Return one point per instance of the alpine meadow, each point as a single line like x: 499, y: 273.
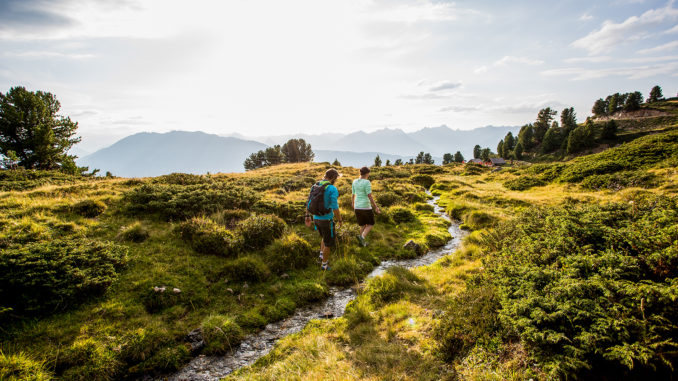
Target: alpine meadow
x: 311, y: 190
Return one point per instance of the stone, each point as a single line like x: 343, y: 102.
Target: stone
x: 411, y: 245
x: 159, y: 289
x: 176, y: 290
x: 194, y: 336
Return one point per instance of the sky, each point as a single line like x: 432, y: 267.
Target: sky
x: 271, y: 67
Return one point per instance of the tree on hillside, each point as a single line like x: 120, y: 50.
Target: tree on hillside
x: 526, y: 137
x: 655, y: 95
x: 336, y: 163
x: 613, y: 103
x: 485, y: 154
x: 255, y: 160
x: 388, y: 163
x: 500, y: 148
x: 411, y: 161
x: 552, y: 140
x: 274, y: 155
x: 509, y: 143
x: 448, y: 158
x: 377, y: 161
x: 609, y: 130
x: 599, y: 108
x: 518, y: 151
x: 297, y: 151
x: 458, y: 157
x: 31, y: 127
x: 568, y: 120
x: 633, y: 101
x: 543, y: 122
x: 398, y: 162
x: 476, y: 151
x: 428, y: 159
x: 581, y: 137
x: 10, y: 160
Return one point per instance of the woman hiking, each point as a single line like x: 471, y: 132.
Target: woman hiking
x: 321, y: 210
x: 363, y: 204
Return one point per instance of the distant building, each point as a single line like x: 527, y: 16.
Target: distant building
x: 497, y: 161
x: 476, y: 161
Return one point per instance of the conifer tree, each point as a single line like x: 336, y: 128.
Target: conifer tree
x: 655, y: 95
x: 447, y: 158
x: 518, y: 151
x: 609, y: 130
x: 476, y: 152
x: 377, y: 161
x: 458, y: 157
x: 500, y: 148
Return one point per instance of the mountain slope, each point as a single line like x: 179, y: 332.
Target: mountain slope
x: 153, y: 154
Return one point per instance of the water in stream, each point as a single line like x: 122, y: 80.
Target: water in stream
x: 208, y: 368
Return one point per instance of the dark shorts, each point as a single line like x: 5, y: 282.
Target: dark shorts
x: 364, y: 217
x: 326, y: 230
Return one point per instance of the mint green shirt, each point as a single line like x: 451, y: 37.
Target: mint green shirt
x: 361, y: 188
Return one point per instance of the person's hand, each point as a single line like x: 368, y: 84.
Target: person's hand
x: 309, y: 221
x: 377, y: 210
x: 339, y: 223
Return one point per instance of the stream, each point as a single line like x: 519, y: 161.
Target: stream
x: 209, y: 368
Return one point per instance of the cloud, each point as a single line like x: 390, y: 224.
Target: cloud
x: 672, y: 30
x: 30, y: 15
x: 630, y: 72
x: 47, y: 54
x: 446, y: 85
x: 525, y: 107
x: 422, y: 11
x: 426, y: 96
x: 508, y: 60
x: 594, y: 59
x: 459, y: 108
x: 612, y: 34
x: 660, y: 48
x: 585, y: 17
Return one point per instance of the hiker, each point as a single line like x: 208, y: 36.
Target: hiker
x: 323, y: 206
x: 363, y: 204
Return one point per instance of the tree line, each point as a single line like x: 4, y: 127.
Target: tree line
x: 293, y: 151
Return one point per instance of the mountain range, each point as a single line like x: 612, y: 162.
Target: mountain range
x: 153, y: 154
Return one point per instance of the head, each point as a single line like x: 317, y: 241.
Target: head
x: 364, y: 172
x: 331, y: 175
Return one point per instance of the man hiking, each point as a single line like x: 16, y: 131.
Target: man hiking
x: 363, y: 204
x: 323, y: 206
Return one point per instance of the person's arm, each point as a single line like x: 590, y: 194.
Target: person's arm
x: 337, y: 215
x: 374, y: 204
x: 334, y: 205
x: 353, y: 201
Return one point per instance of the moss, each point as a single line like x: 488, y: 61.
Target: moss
x: 289, y: 253
x: 260, y: 230
x: 89, y: 208
x: 250, y: 268
x: 346, y: 271
x: 309, y: 291
x: 89, y: 359
x: 21, y: 367
x: 221, y: 334
x: 388, y: 198
x: 135, y: 232
x: 208, y: 237
x: 423, y: 179
x: 402, y: 215
x: 392, y: 285
x: 252, y: 319
x: 478, y: 220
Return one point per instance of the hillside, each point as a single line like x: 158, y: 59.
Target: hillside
x: 567, y: 271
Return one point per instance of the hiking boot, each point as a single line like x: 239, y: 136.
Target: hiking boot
x: 361, y: 240
x: 320, y: 258
x: 325, y: 266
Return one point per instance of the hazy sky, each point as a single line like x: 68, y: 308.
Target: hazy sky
x: 275, y: 67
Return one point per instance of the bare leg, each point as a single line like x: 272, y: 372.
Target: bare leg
x: 365, y: 230
x: 362, y: 228
x: 326, y: 253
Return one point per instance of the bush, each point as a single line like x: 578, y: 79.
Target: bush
x: 246, y: 269
x: 208, y: 237
x: 20, y: 367
x: 392, y: 285
x: 89, y: 359
x: 621, y: 180
x: 380, y: 173
x: 260, y: 230
x: 478, y: 220
x: 229, y: 217
x: 134, y: 233
x: 348, y: 270
x: 290, y: 211
x: 221, y: 334
x: 252, y: 319
x: 139, y: 345
x: 424, y: 180
x: 22, y: 179
x: 402, y: 215
x: 289, y: 253
x: 89, y: 208
x: 436, y: 239
x: 173, y: 201
x: 386, y: 199
x: 167, y: 359
x: 56, y: 275
x: 592, y: 284
x: 183, y: 179
x: 522, y: 183
x: 157, y: 300
x: 424, y: 207
x: 309, y: 291
x: 282, y: 308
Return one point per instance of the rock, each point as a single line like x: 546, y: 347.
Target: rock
x: 197, y: 346
x: 229, y: 290
x: 159, y: 289
x: 194, y: 336
x: 284, y: 275
x: 327, y: 315
x: 176, y: 290
x: 411, y: 245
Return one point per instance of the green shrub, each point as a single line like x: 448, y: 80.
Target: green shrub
x: 380, y: 173
x: 246, y: 269
x: 621, y: 180
x: 155, y: 299
x: 298, y: 183
x: 392, y: 285
x: 221, y: 334
x: 183, y: 179
x: 289, y: 253
x: 139, y: 345
x: 436, y: 239
x: 423, y: 207
x: 56, y: 275
x: 282, y: 308
x: 167, y: 359
x: 172, y: 201
x: 290, y: 211
x: 260, y: 230
x: 522, y: 183
x: 424, y: 180
x: 134, y: 233
x: 208, y: 237
x: 588, y: 284
x: 472, y: 170
x: 229, y: 217
x: 386, y: 199
x: 402, y: 215
x: 89, y: 359
x: 20, y: 367
x: 457, y: 210
x: 22, y: 179
x: 346, y: 271
x: 415, y: 196
x: 89, y: 208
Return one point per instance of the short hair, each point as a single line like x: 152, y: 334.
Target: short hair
x: 331, y: 174
x: 364, y: 171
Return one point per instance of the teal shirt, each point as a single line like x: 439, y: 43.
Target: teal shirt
x: 361, y: 188
x: 331, y: 203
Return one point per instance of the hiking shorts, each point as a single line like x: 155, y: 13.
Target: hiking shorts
x: 326, y: 230
x: 364, y: 217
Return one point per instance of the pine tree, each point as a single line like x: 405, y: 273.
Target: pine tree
x: 428, y: 159
x: 551, y: 140
x: 398, y: 162
x: 500, y: 148
x: 336, y: 162
x: 388, y: 163
x: 476, y: 152
x: 609, y: 130
x: 485, y: 154
x: 509, y: 143
x: 599, y: 108
x: 458, y: 157
x: 420, y: 158
x: 377, y: 161
x: 447, y: 158
x: 568, y: 120
x: 543, y: 123
x: 518, y: 151
x: 655, y: 95
x: 526, y: 137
